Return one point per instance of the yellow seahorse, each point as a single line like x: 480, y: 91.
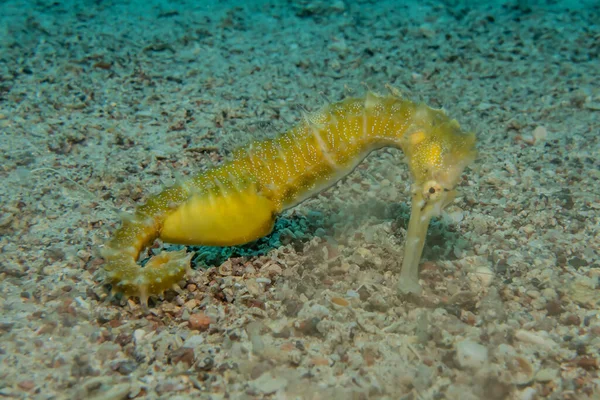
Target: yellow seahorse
x: 238, y: 202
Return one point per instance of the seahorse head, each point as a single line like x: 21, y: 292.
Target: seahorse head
x: 438, y: 151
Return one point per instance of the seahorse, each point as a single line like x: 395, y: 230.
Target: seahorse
x: 238, y: 201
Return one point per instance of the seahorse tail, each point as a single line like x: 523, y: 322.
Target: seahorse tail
x: 161, y: 272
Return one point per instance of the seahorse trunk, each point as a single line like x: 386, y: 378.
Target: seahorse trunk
x: 238, y: 201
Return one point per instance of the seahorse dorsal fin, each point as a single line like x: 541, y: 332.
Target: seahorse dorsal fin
x: 394, y: 91
x: 126, y: 217
x: 371, y: 100
x: 311, y: 119
x: 179, y: 178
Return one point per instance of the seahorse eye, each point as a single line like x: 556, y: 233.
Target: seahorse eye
x: 432, y: 190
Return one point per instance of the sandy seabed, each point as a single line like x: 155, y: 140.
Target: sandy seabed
x: 104, y: 102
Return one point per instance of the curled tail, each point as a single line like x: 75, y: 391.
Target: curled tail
x: 214, y: 208
x: 162, y: 271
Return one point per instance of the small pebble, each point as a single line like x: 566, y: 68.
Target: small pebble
x: 253, y: 287
x: 192, y: 287
x: 540, y: 133
x: 26, y: 385
x: 470, y: 354
x: 522, y: 370
x: 481, y: 277
x: 319, y: 361
x: 199, y: 321
x: 193, y: 341
x: 340, y: 301
x: 535, y: 338
x: 138, y: 335
x: 528, y: 394
x: 339, y: 47
x: 267, y: 383
x: 554, y: 308
x: 573, y: 320
x: 427, y: 31
x: 546, y: 375
x: 338, y: 6
x: 456, y: 216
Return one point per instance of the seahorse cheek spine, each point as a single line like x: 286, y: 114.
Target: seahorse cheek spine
x: 238, y: 201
